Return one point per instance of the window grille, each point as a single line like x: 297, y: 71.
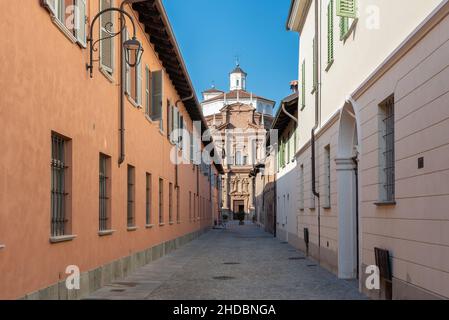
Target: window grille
x: 148, y: 199
x: 388, y: 155
x: 131, y: 196
x: 103, y: 194
x: 58, y: 180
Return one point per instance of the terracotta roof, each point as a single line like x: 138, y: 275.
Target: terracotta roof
x: 233, y: 95
x: 213, y: 90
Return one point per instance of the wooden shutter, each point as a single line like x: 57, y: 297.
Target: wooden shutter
x: 315, y: 49
x: 80, y: 22
x: 107, y: 44
x: 330, y: 32
x: 139, y: 84
x: 156, y: 95
x: 147, y: 91
x: 347, y: 8
x: 344, y: 27
x: 50, y: 5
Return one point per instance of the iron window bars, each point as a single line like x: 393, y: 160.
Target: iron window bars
x: 58, y: 193
x: 389, y: 152
x: 131, y: 194
x: 103, y: 193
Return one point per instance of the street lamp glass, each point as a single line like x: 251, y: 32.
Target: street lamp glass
x: 133, y: 48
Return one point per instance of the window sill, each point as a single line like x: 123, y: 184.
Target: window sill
x: 329, y: 65
x: 385, y: 203
x: 149, y: 226
x: 104, y: 233
x: 171, y: 223
x: 161, y: 224
x: 131, y: 229
x: 60, y: 239
x: 327, y: 207
x: 133, y: 102
x: 149, y: 119
x: 107, y: 75
x: 64, y: 29
x: 2, y: 246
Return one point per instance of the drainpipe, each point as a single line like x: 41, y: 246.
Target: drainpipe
x: 317, y: 108
x: 122, y: 87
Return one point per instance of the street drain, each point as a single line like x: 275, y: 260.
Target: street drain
x: 312, y: 265
x: 231, y: 263
x: 296, y: 258
x: 224, y: 278
x: 284, y: 242
x: 118, y: 290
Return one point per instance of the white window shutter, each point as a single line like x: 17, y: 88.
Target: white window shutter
x: 126, y: 66
x: 139, y: 84
x: 50, y: 5
x: 80, y: 22
x: 107, y: 44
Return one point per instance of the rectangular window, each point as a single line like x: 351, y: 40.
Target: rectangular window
x: 190, y: 205
x: 135, y: 84
x: 170, y: 202
x: 156, y: 97
x: 107, y: 44
x: 301, y: 187
x: 330, y: 32
x: 131, y: 196
x: 104, y: 188
x: 387, y: 151
x: 148, y: 198
x: 178, y: 212
x: 161, y: 201
x: 194, y: 207
x: 303, y: 85
x: 70, y: 16
x: 327, y: 178
x: 60, y: 185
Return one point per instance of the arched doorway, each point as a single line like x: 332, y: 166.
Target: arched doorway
x: 348, y: 199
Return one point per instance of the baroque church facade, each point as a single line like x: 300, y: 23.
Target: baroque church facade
x: 239, y: 121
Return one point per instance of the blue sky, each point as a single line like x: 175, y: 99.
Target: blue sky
x: 211, y: 33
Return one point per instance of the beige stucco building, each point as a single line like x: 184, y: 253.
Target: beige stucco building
x: 373, y: 107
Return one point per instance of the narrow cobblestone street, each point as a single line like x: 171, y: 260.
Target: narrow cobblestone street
x: 240, y: 262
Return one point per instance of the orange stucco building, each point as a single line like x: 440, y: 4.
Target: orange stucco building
x: 79, y: 186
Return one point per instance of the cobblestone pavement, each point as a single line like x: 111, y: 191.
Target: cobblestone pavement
x: 238, y: 263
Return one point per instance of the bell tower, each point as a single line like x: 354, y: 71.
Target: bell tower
x: 237, y: 79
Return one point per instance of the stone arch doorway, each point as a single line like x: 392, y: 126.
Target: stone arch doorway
x: 348, y: 195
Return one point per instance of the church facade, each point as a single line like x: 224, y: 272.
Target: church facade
x: 239, y: 121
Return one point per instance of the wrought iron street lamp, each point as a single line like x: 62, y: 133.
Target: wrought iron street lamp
x: 132, y: 47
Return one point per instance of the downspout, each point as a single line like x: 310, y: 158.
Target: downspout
x: 122, y: 87
x: 317, y: 108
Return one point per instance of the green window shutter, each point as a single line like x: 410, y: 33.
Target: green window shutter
x: 344, y: 27
x: 303, y: 85
x: 347, y: 8
x: 330, y: 32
